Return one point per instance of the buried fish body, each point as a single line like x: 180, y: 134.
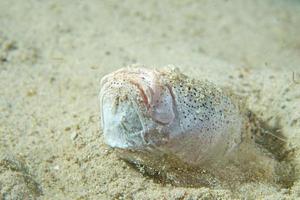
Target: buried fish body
x: 184, y: 130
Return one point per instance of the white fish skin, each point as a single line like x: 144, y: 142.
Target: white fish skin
x: 189, y: 132
x: 144, y: 109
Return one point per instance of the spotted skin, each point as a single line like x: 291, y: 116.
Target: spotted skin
x: 165, y: 109
x: 188, y: 132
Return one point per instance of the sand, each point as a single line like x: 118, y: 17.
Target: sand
x: 54, y: 53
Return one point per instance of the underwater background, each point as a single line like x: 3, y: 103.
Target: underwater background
x: 54, y: 53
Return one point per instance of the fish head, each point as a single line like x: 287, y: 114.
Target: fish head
x: 136, y: 104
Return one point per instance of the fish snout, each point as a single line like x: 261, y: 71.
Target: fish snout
x: 121, y: 121
x: 131, y: 101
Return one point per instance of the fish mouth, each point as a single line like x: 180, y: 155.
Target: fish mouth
x: 122, y: 122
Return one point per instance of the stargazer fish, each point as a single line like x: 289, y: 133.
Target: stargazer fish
x: 165, y: 121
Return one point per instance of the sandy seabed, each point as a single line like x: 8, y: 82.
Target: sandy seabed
x: 54, y: 53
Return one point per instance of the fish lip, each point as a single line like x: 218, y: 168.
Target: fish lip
x: 145, y: 96
x: 150, y: 103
